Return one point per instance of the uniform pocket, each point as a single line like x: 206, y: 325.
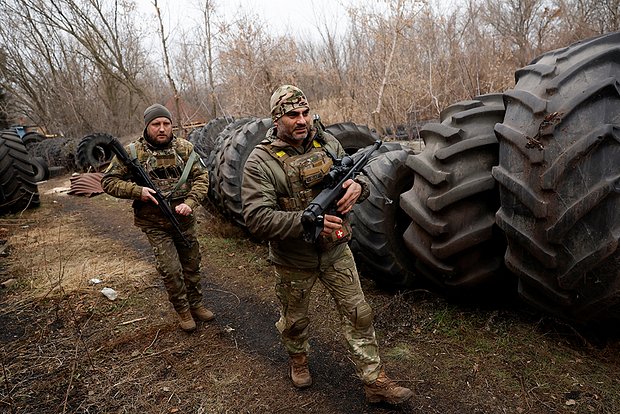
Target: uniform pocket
x: 336, y: 237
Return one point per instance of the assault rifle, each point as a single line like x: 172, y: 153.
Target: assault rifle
x: 141, y: 177
x: 325, y: 203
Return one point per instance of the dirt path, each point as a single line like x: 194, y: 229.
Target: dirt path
x: 234, y: 364
x: 68, y: 349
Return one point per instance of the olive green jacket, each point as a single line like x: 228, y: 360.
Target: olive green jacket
x: 264, y: 182
x: 118, y: 182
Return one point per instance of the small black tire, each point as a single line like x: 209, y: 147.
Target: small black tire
x: 351, y: 136
x: 40, y: 168
x: 93, y: 151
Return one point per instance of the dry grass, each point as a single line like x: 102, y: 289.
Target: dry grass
x: 60, y: 257
x: 68, y: 349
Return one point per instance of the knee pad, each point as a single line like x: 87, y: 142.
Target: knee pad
x: 297, y: 328
x: 362, y: 316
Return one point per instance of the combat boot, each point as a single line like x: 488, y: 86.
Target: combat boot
x: 299, y: 372
x: 202, y: 313
x: 186, y: 322
x: 386, y: 390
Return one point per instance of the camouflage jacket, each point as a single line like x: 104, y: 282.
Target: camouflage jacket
x: 117, y: 180
x: 264, y: 184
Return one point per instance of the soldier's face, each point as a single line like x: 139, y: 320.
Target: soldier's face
x: 294, y: 125
x: 159, y: 130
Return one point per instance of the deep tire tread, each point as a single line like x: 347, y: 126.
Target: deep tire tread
x: 453, y: 201
x: 378, y: 224
x: 560, y: 200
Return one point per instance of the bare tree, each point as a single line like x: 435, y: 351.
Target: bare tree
x: 73, y: 51
x: 80, y: 65
x: 253, y: 64
x: 164, y: 47
x: 528, y: 24
x: 397, y: 22
x: 207, y: 17
x: 587, y: 18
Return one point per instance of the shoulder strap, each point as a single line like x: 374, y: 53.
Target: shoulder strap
x: 279, y: 156
x: 282, y: 155
x: 188, y: 168
x: 132, y: 149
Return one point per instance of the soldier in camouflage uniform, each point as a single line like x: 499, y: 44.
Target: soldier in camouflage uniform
x: 281, y: 176
x: 179, y: 174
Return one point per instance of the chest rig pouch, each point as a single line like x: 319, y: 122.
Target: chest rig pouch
x: 167, y: 170
x: 303, y: 173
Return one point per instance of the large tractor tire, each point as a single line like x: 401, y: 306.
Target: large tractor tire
x: 454, y: 198
x: 235, y: 155
x: 379, y: 222
x: 559, y: 179
x: 94, y: 153
x: 18, y: 188
x: 205, y: 139
x: 193, y: 134
x: 351, y: 136
x: 216, y: 159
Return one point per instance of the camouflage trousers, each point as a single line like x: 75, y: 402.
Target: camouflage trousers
x: 178, y: 265
x: 293, y: 287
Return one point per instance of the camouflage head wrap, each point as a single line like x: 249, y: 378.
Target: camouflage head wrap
x: 285, y: 99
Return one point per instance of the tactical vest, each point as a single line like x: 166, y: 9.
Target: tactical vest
x: 303, y: 173
x: 167, y: 169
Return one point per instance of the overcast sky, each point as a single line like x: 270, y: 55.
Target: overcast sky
x: 298, y: 18
x: 282, y: 17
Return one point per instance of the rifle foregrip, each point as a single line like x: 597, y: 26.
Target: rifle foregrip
x: 312, y: 224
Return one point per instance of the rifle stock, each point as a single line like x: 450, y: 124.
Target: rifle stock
x: 142, y: 178
x: 313, y: 216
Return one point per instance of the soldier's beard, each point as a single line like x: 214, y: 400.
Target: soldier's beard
x: 157, y: 144
x: 291, y: 138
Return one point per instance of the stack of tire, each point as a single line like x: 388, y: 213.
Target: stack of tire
x: 527, y: 181
x: 59, y: 154
x: 235, y: 143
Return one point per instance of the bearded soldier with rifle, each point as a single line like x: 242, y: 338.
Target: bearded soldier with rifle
x: 167, y: 181
x: 282, y: 178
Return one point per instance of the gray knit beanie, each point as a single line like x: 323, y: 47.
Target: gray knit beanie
x: 155, y: 111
